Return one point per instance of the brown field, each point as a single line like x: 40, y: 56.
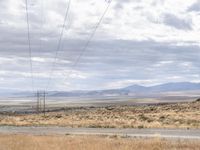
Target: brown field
x: 29, y: 142
x: 180, y: 115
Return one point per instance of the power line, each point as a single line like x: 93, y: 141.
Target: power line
x: 41, y: 27
x: 89, y: 39
x: 58, y: 46
x: 29, y: 44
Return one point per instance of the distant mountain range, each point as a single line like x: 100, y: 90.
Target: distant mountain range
x: 134, y: 91
x: 168, y: 87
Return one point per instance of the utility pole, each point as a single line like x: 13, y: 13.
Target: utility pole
x: 38, y: 102
x: 44, y: 107
x: 41, y: 102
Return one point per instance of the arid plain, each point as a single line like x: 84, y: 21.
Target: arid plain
x: 176, y: 115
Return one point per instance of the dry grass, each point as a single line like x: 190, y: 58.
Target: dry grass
x: 182, y: 115
x: 28, y: 142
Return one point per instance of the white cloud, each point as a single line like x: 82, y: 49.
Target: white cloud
x: 38, y: 59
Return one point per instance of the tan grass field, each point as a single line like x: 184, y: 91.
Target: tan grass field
x: 29, y: 142
x: 180, y: 115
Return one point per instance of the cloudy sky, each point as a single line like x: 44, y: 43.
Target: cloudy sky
x: 144, y: 42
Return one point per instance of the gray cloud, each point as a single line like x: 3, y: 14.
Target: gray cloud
x: 120, y: 4
x: 195, y: 7
x: 114, y: 60
x: 176, y: 22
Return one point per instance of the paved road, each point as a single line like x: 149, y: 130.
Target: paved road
x: 146, y: 133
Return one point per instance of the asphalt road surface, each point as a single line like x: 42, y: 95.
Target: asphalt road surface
x: 146, y: 133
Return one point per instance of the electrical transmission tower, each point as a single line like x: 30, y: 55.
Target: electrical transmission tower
x: 41, y: 102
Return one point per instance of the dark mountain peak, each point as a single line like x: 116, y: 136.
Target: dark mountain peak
x: 135, y: 87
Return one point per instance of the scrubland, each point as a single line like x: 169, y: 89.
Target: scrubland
x: 179, y: 115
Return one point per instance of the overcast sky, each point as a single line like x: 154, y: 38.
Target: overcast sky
x: 144, y: 42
